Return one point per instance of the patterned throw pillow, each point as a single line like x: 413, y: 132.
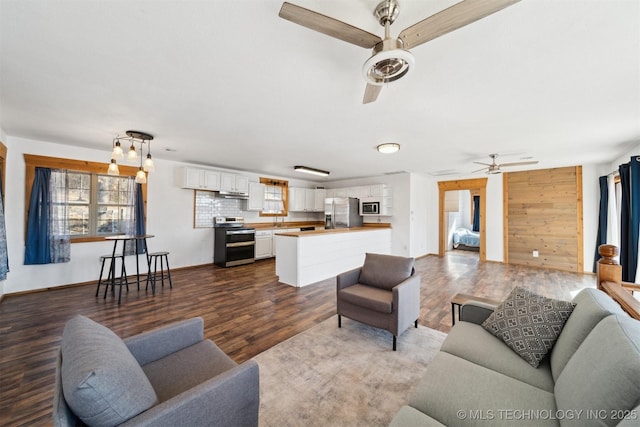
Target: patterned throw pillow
x: 529, y: 323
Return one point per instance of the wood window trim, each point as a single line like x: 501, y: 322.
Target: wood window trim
x: 285, y: 195
x: 32, y: 161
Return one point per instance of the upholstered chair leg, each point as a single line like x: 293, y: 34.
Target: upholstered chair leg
x: 339, y: 321
x: 416, y: 323
x: 394, y: 343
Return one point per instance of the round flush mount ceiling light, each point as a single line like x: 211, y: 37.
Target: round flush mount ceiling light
x: 388, y: 148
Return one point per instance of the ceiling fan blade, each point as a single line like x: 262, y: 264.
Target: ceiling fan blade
x: 479, y: 170
x: 480, y: 163
x: 371, y: 93
x: 452, y: 18
x: 518, y: 163
x: 329, y: 26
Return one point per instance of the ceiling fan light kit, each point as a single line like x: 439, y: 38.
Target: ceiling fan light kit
x: 387, y: 66
x: 388, y: 148
x: 312, y: 171
x: 390, y: 59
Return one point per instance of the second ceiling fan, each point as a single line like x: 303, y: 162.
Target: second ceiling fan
x: 391, y: 58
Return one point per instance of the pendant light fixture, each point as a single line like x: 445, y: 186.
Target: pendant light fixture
x: 132, y: 137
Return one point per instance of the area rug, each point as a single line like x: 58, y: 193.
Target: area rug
x: 349, y: 376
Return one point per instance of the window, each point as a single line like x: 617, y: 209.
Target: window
x: 98, y: 204
x: 275, y: 197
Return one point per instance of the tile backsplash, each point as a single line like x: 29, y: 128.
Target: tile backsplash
x: 207, y: 207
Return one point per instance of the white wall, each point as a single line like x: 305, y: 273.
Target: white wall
x: 169, y: 218
x: 419, y: 195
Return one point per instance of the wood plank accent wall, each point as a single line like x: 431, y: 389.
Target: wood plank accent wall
x: 543, y: 212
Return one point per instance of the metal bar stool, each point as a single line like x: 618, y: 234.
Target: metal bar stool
x: 154, y: 274
x: 112, y: 259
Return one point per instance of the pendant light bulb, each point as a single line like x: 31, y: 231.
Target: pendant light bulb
x: 117, y: 153
x: 148, y: 164
x: 132, y: 155
x: 141, y: 177
x: 113, y: 168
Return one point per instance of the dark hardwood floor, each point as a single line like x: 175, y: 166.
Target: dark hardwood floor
x: 245, y: 311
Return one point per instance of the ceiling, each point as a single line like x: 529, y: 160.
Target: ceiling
x: 230, y: 84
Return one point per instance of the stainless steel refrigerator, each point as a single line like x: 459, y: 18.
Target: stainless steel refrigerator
x: 341, y: 212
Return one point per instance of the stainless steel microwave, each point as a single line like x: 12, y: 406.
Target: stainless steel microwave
x: 369, y: 206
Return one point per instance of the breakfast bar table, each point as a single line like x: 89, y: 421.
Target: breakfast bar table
x: 124, y: 238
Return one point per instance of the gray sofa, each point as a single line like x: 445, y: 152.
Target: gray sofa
x: 169, y: 376
x: 591, y: 377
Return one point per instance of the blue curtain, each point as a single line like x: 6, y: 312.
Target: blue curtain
x: 141, y: 227
x: 37, y: 248
x: 601, y: 237
x: 4, y: 259
x: 629, y: 221
x: 476, y: 213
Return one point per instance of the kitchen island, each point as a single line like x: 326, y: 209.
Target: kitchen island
x: 307, y: 257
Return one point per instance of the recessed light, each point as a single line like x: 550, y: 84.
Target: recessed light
x: 388, y: 148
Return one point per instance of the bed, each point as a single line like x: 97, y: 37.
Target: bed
x: 465, y: 239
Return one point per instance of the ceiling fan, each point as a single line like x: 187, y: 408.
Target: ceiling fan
x: 391, y: 59
x: 494, y: 168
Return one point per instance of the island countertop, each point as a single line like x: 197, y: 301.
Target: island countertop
x: 307, y: 257
x: 332, y: 231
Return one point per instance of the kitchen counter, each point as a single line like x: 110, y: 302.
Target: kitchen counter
x: 329, y: 231
x: 283, y: 225
x: 307, y: 257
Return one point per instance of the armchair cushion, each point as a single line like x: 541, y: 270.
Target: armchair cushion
x: 375, y: 299
x: 187, y: 368
x: 385, y: 271
x: 101, y: 380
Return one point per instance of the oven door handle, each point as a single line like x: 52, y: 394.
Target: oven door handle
x: 232, y: 232
x: 239, y: 244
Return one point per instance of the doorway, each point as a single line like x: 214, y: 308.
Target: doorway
x: 476, y: 186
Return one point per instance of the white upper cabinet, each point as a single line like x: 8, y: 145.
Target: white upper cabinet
x: 256, y: 197
x: 234, y: 183
x: 318, y: 205
x: 199, y: 179
x: 306, y: 199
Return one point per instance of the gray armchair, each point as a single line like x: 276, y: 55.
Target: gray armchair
x: 165, y: 377
x: 383, y: 293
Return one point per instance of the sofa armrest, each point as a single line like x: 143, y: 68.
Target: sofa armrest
x: 476, y: 311
x: 153, y: 345
x: 229, y: 399
x: 347, y: 278
x: 406, y: 297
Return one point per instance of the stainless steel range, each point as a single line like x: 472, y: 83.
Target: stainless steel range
x: 234, y: 244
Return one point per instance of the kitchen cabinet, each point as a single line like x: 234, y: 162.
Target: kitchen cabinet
x: 256, y: 197
x: 199, y: 179
x: 296, y: 199
x: 264, y: 244
x: 320, y: 195
x: 306, y: 199
x: 234, y: 183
